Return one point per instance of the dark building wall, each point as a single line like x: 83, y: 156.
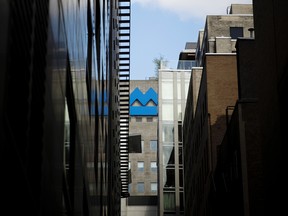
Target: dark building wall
x: 246, y: 75
x: 248, y: 105
x: 52, y: 57
x: 197, y: 153
x: 270, y: 42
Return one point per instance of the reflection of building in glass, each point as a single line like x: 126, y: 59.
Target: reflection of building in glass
x: 173, y: 88
x: 63, y: 64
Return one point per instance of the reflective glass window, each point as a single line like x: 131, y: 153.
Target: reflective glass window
x: 153, y: 145
x: 181, y: 177
x: 140, y: 187
x: 167, y: 132
x: 168, y: 155
x: 178, y: 89
x: 153, y: 166
x: 140, y: 166
x: 179, y: 132
x: 153, y: 186
x: 169, y: 177
x: 181, y: 201
x: 180, y: 154
x: 167, y: 89
x: 167, y: 112
x: 169, y: 201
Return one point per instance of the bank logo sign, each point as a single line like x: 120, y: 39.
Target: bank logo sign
x: 143, y: 104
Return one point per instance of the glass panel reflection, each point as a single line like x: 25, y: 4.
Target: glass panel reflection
x: 181, y: 176
x: 168, y: 133
x: 168, y: 155
x: 167, y: 112
x: 169, y: 177
x: 167, y: 89
x: 180, y: 154
x: 168, y: 168
x: 169, y: 201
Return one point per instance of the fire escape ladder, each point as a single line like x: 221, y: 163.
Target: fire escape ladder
x: 124, y: 91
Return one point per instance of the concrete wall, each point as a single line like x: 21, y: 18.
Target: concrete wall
x: 219, y: 26
x: 241, y: 9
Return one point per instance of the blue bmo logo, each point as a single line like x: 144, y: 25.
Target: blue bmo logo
x: 143, y: 104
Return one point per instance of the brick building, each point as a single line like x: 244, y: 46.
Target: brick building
x: 205, y: 127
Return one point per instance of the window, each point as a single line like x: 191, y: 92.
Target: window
x: 180, y: 152
x: 169, y: 178
x: 129, y: 188
x: 140, y: 187
x: 167, y: 89
x: 179, y: 131
x: 153, y: 186
x: 181, y: 178
x: 236, y: 32
x: 140, y: 166
x: 138, y: 119
x: 168, y: 133
x: 153, y: 166
x: 153, y: 145
x: 167, y: 111
x: 168, y: 155
x: 129, y: 165
x: 149, y: 119
x: 169, y: 201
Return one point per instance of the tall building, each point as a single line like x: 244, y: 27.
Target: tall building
x: 261, y: 109
x: 173, y: 88
x: 255, y: 134
x: 64, y: 89
x: 143, y: 142
x: 213, y: 88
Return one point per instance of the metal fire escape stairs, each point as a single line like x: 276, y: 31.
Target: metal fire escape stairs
x: 124, y: 91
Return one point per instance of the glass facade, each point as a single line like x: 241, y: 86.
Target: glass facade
x: 65, y: 68
x: 173, y: 89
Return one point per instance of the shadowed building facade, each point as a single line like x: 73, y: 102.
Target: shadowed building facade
x: 213, y: 87
x: 248, y: 177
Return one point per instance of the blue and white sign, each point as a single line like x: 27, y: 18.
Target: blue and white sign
x: 143, y: 109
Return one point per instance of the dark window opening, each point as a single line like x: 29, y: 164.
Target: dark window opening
x: 236, y: 32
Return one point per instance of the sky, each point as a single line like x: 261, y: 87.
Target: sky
x: 161, y: 28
